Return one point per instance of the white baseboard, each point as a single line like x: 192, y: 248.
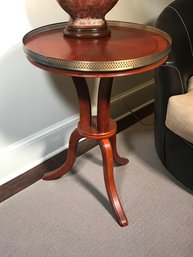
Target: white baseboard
x: 35, y: 149
x: 132, y: 99
x: 32, y: 151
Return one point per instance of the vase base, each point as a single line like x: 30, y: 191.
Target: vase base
x: 87, y: 32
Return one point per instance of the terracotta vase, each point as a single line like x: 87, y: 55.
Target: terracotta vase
x: 87, y: 17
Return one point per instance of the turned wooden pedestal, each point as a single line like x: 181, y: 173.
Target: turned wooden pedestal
x: 100, y: 128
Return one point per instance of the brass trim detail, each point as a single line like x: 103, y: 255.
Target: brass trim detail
x: 94, y: 66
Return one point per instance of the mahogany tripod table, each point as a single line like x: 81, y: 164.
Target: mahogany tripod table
x: 130, y: 49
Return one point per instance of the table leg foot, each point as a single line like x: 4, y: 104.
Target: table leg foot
x: 107, y: 154
x: 117, y: 158
x: 55, y: 174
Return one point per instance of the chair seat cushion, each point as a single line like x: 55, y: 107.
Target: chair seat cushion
x: 179, y: 118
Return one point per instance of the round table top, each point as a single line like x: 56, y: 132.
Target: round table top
x: 130, y: 46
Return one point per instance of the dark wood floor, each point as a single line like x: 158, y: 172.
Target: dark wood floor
x: 31, y: 176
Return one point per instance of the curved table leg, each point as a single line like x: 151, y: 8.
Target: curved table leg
x: 117, y: 158
x: 104, y: 131
x: 74, y: 138
x: 107, y: 154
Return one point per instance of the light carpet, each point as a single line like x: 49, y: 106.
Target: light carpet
x: 71, y: 217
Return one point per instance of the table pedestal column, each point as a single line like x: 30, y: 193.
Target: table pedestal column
x: 100, y: 128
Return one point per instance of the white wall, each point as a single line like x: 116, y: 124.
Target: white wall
x: 38, y: 110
